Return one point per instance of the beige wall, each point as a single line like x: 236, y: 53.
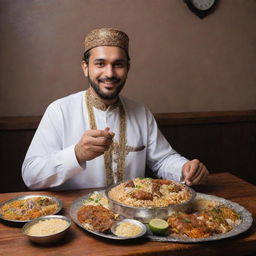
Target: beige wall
x: 179, y: 62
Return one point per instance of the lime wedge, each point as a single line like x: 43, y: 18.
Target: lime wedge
x: 158, y: 226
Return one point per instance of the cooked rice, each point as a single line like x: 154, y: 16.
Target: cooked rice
x: 28, y: 209
x: 123, y: 194
x: 47, y: 227
x: 95, y: 199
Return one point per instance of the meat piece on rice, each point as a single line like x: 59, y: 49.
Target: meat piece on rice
x: 142, y: 195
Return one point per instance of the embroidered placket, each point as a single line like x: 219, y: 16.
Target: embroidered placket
x: 118, y: 175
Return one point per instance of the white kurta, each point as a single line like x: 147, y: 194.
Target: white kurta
x: 51, y: 161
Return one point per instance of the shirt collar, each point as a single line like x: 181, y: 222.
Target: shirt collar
x: 95, y: 102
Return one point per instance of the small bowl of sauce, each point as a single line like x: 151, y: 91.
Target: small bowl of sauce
x: 128, y: 228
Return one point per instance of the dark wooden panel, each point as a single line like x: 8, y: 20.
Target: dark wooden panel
x: 214, y: 117
x: 163, y: 119
x: 13, y: 148
x: 222, y: 147
x: 224, y: 141
x: 19, y: 123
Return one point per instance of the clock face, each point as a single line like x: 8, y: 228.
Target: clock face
x: 203, y: 4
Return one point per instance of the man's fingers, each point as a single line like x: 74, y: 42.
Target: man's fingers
x: 98, y: 137
x: 198, y: 171
x: 111, y: 134
x: 194, y: 172
x: 93, y: 144
x: 201, y: 178
x: 100, y: 133
x: 99, y: 149
x: 100, y: 141
x: 205, y: 177
x: 197, y: 179
x: 193, y: 166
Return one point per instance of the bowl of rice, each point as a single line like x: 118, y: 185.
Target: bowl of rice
x: 48, y: 229
x: 144, y: 199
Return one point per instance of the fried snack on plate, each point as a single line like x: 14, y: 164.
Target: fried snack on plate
x: 96, y: 218
x: 94, y: 214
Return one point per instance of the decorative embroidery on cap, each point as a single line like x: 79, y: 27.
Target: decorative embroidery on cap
x: 106, y: 37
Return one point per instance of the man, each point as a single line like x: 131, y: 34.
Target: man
x: 96, y: 137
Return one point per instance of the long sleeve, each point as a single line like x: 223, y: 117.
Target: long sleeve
x: 161, y: 157
x: 51, y: 161
x: 47, y: 162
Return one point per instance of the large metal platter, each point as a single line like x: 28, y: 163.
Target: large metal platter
x: 73, y: 214
x: 246, y: 222
x: 55, y: 199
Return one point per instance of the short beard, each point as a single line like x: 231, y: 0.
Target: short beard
x: 101, y: 94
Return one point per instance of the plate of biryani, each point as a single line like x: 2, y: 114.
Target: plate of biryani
x: 29, y: 207
x: 190, y: 217
x: 148, y: 193
x: 146, y: 198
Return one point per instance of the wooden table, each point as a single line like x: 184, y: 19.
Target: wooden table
x: 79, y: 242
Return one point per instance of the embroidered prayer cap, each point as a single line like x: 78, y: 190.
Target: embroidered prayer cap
x: 106, y: 37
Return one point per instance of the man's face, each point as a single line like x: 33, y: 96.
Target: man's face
x: 107, y: 71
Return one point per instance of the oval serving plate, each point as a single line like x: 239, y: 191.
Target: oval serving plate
x: 74, y: 208
x: 55, y: 199
x: 245, y: 224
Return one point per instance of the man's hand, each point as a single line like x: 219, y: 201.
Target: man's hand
x: 194, y: 172
x: 93, y: 144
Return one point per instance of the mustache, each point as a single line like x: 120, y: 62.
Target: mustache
x: 109, y: 79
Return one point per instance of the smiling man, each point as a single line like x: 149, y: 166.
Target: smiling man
x: 107, y: 72
x: 97, y: 137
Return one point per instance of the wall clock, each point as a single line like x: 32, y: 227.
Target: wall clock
x: 201, y: 7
